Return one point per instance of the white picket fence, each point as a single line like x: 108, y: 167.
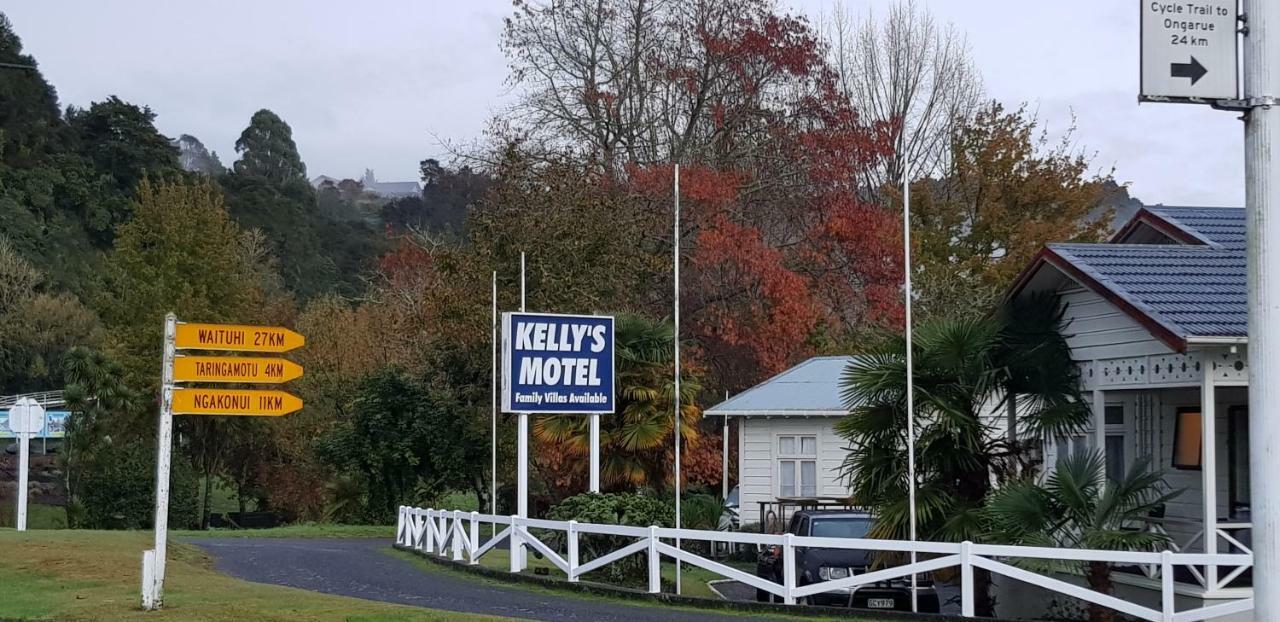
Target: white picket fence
x: 456, y: 534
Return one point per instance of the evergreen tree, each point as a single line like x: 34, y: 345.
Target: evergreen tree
x: 267, y: 150
x: 121, y: 140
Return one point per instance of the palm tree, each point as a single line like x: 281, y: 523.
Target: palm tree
x: 634, y: 442
x: 102, y: 405
x: 1078, y: 507
x: 967, y: 373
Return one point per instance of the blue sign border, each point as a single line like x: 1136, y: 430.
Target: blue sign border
x: 575, y: 409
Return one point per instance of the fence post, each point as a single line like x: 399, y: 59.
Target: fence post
x: 788, y: 569
x: 443, y: 530
x: 400, y: 525
x: 457, y: 535
x: 966, y: 579
x: 573, y: 551
x: 428, y: 524
x: 475, y: 537
x: 513, y: 541
x: 1166, y: 586
x: 655, y: 566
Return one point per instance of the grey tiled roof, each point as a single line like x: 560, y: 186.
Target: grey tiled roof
x: 1219, y: 226
x: 1191, y: 290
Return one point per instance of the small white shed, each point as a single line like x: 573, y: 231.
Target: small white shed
x: 787, y: 445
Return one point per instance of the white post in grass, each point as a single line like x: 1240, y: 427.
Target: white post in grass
x: 153, y: 593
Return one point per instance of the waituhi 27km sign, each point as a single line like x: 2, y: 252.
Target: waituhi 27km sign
x: 1190, y: 51
x: 557, y: 363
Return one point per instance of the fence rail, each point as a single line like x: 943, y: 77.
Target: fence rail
x: 456, y: 534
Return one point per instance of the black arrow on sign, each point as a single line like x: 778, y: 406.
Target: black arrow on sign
x: 1193, y: 70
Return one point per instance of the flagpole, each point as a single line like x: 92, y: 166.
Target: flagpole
x: 493, y: 387
x: 676, y: 343
x: 911, y: 391
x: 522, y: 452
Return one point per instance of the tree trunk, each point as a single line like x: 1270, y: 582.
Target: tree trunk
x: 984, y: 604
x: 1099, y: 577
x: 206, y: 505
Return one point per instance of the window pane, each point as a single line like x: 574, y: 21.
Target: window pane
x: 1114, y: 414
x: 787, y: 479
x: 1186, y: 440
x: 1063, y: 450
x: 1115, y: 457
x: 809, y: 445
x: 787, y: 445
x: 808, y: 478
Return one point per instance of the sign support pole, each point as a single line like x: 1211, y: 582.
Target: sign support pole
x: 1262, y: 199
x: 24, y: 464
x: 676, y: 342
x: 522, y: 449
x: 595, y: 452
x: 153, y: 594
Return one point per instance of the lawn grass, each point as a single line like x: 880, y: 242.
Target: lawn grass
x: 39, y: 515
x: 94, y: 575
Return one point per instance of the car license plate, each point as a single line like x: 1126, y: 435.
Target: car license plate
x: 880, y: 603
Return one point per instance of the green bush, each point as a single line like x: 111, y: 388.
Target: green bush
x: 119, y: 491
x: 631, y: 509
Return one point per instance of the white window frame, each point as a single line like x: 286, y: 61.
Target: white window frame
x: 1085, y: 439
x: 797, y: 458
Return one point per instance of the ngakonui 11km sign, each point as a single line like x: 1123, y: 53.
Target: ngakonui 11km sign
x: 557, y: 363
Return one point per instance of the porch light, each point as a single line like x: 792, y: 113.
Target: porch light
x: 1187, y: 439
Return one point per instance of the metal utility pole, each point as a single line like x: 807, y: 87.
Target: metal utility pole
x: 1262, y: 199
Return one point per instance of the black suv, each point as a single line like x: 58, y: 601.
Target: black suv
x: 815, y: 565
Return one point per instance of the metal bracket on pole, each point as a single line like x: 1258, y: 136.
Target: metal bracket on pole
x: 1245, y: 105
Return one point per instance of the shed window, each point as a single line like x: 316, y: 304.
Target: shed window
x: 1187, y: 437
x: 797, y: 466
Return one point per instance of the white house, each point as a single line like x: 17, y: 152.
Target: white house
x: 1158, y: 324
x: 787, y: 447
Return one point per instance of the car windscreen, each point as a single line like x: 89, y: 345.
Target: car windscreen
x: 840, y: 527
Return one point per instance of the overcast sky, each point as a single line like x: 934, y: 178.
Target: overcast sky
x: 381, y: 84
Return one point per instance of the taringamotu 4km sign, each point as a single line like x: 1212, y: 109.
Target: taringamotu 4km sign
x: 557, y: 363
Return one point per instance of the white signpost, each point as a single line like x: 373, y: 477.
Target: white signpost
x: 1189, y: 51
x: 26, y: 418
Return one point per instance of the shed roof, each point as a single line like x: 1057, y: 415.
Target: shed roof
x: 810, y: 388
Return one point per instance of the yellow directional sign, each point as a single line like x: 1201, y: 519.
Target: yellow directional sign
x: 234, y: 369
x: 237, y: 338
x: 232, y: 402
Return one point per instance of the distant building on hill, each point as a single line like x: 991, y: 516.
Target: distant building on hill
x: 386, y: 189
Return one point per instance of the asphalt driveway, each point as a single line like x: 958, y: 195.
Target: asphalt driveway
x: 362, y: 568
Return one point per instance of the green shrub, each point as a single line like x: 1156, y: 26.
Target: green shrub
x: 631, y: 509
x: 119, y: 491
